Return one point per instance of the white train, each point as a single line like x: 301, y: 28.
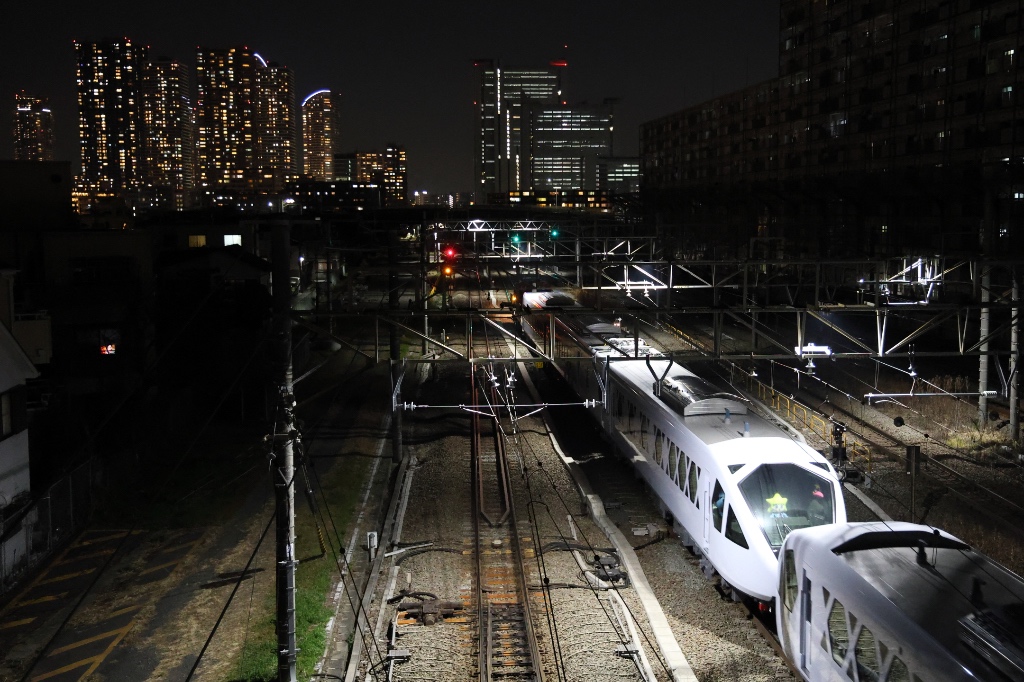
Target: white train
x: 735, y: 483
x: 897, y: 602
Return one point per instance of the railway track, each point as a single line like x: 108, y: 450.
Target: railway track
x: 508, y: 644
x: 961, y: 481
x: 962, y: 484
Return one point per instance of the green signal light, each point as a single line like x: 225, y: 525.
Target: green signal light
x: 515, y: 238
x: 554, y: 233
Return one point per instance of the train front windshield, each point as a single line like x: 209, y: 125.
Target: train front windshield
x: 784, y: 497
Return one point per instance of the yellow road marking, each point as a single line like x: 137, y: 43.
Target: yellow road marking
x: 38, y: 600
x: 35, y: 581
x: 83, y: 557
x: 16, y: 623
x: 177, y: 547
x: 69, y: 666
x: 66, y: 576
x: 106, y: 652
x: 104, y: 538
x: 123, y: 611
x: 89, y: 640
x: 157, y: 568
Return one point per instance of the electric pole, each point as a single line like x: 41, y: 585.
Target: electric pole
x: 395, y: 344
x: 285, y: 435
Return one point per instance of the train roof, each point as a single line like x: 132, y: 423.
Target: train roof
x: 721, y: 420
x: 958, y: 596
x: 548, y: 299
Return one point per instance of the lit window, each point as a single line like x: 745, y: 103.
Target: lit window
x: 232, y: 240
x: 196, y: 240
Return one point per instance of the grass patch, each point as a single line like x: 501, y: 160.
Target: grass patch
x: 313, y: 580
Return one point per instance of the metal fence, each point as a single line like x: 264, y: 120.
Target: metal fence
x: 29, y: 536
x: 794, y: 411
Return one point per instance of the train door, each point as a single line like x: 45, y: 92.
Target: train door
x: 805, y: 622
x: 788, y: 619
x: 706, y: 503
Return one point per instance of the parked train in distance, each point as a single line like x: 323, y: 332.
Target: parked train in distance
x: 897, y: 602
x: 734, y: 482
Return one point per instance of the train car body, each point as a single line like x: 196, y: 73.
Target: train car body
x: 897, y: 602
x: 734, y: 483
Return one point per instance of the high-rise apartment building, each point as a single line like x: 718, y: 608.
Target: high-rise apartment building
x: 387, y: 170
x: 245, y: 124
x: 109, y: 116
x: 227, y: 93
x: 167, y: 159
x: 893, y: 128
x: 501, y: 159
x: 33, y: 128
x: 320, y: 134
x: 276, y: 149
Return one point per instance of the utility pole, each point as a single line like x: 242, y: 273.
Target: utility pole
x: 285, y: 435
x: 394, y: 345
x: 1014, y: 360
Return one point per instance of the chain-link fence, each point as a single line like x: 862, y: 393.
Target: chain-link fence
x: 30, y: 535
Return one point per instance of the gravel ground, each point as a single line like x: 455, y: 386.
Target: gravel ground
x: 715, y: 634
x: 587, y: 625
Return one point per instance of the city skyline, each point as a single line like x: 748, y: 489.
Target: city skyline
x: 404, y: 74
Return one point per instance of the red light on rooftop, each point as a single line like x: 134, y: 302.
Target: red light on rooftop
x: 559, y: 62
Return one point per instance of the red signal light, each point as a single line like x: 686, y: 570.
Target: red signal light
x: 449, y: 252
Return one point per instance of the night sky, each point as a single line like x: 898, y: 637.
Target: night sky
x: 404, y: 69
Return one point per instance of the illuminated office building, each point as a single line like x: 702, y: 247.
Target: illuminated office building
x: 33, y: 128
x: 346, y: 167
x: 227, y: 93
x: 167, y: 158
x: 566, y: 144
x: 619, y: 174
x: 320, y: 135
x: 109, y: 116
x: 276, y: 148
x: 501, y: 159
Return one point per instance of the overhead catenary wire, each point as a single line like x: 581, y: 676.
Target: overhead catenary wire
x: 520, y: 445
x: 242, y: 576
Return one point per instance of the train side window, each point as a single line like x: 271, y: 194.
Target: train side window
x: 694, y: 473
x: 838, y: 635
x: 787, y: 588
x: 674, y: 454
x: 898, y: 671
x: 661, y: 443
x: 673, y: 464
x: 866, y: 656
x: 733, y: 531
x: 718, y: 506
x: 644, y: 423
